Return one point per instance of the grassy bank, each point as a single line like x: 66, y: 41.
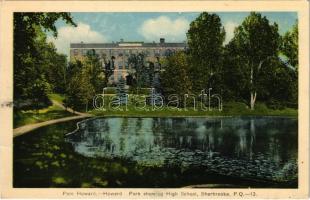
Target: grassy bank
x: 25, y: 117
x: 229, y: 109
x: 57, y: 97
x: 22, y: 118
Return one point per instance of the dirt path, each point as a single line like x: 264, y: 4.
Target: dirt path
x: 67, y: 109
x: 30, y: 127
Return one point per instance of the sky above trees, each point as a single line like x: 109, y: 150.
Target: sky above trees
x: 149, y: 27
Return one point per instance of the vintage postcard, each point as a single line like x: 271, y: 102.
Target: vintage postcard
x: 154, y: 99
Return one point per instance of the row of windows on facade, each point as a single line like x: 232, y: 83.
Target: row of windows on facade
x: 119, y: 64
x: 125, y: 52
x: 118, y: 76
x: 125, y: 66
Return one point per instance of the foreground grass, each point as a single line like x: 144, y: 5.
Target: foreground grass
x: 229, y: 109
x: 22, y: 118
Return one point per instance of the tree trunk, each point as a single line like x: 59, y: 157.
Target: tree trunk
x: 253, y: 93
x: 86, y: 107
x: 253, y: 99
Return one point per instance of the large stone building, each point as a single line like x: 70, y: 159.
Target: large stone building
x: 121, y: 51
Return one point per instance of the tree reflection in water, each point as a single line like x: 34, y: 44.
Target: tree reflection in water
x: 255, y: 147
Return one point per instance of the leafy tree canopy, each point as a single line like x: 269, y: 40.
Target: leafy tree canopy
x: 205, y: 41
x: 290, y: 45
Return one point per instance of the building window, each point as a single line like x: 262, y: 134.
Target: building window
x: 157, y: 53
x: 91, y: 52
x: 120, y: 67
x: 168, y: 52
x: 75, y: 52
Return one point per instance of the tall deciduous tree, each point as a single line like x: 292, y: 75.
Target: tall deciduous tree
x: 141, y: 73
x: 50, y: 63
x: 94, y: 70
x: 205, y: 40
x: 80, y: 90
x: 290, y: 49
x: 290, y: 45
x: 85, y: 78
x: 175, y: 76
x: 255, y: 44
x: 30, y: 47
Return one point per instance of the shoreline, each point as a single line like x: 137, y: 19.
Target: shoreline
x: 30, y: 127
x: 191, y: 116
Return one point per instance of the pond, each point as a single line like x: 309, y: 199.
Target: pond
x: 160, y: 152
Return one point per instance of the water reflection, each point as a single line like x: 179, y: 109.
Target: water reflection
x: 261, y: 147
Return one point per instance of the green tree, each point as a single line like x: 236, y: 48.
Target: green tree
x: 38, y: 87
x: 175, y: 76
x: 290, y: 45
x: 141, y: 73
x: 279, y: 85
x: 290, y: 49
x: 236, y: 87
x: 30, y: 48
x: 205, y: 40
x: 108, y: 68
x: 94, y: 69
x: 57, y: 73
x: 85, y: 78
x: 80, y: 91
x: 254, y: 45
x: 50, y: 63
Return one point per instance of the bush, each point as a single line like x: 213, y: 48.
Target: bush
x: 110, y: 90
x: 141, y: 91
x: 261, y: 107
x: 276, y: 105
x: 235, y: 106
x: 36, y: 96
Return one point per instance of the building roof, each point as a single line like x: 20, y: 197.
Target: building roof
x: 125, y: 45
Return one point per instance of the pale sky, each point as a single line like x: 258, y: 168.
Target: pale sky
x: 149, y: 27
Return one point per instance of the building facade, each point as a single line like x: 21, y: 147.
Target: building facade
x: 121, y: 51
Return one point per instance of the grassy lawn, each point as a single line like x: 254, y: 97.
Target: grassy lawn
x: 22, y: 117
x: 229, y: 109
x: 57, y: 97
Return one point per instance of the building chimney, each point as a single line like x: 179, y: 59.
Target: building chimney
x: 162, y: 40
